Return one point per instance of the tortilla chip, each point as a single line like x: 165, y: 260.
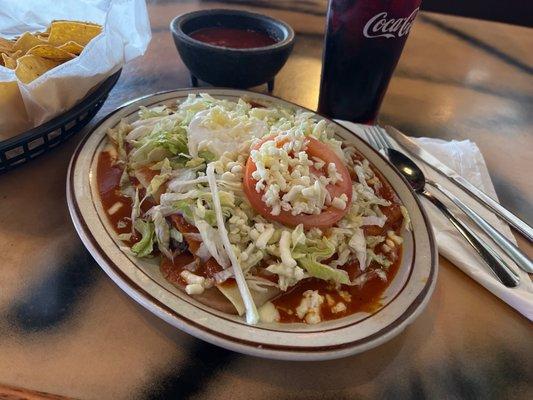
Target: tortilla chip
x: 72, y: 47
x: 26, y: 41
x: 31, y: 55
x: 6, y: 46
x: 17, y: 54
x: 30, y: 67
x: 62, y: 32
x: 8, y: 61
x: 70, y: 21
x: 50, y: 52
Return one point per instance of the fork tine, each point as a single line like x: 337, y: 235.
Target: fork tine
x: 379, y: 138
x: 386, y: 138
x: 370, y: 137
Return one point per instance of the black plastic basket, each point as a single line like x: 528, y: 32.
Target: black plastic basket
x: 31, y: 144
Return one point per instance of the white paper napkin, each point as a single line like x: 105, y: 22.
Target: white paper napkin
x: 465, y: 158
x: 126, y: 34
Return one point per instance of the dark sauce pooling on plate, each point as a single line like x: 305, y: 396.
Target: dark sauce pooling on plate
x: 232, y: 37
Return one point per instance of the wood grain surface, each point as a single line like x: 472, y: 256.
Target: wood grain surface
x: 17, y: 393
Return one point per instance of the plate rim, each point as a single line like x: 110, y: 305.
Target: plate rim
x: 157, y: 307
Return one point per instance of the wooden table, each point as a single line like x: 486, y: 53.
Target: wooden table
x: 65, y: 328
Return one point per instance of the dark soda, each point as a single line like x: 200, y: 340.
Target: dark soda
x: 364, y: 41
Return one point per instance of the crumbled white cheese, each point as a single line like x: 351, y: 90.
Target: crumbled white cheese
x: 394, y: 237
x: 284, y: 172
x: 347, y: 297
x: 114, y: 208
x: 333, y: 174
x: 338, y: 308
x: 309, y: 308
x: 264, y: 237
x: 191, y: 278
x: 339, y: 203
x: 313, y: 318
x: 406, y: 223
x: 195, y: 283
x: 381, y: 274
x: 318, y: 163
x: 285, y: 249
x: 194, y: 288
x: 268, y: 313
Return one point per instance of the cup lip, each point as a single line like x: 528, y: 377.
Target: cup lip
x: 177, y: 23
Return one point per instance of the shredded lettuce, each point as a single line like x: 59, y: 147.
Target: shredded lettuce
x: 162, y: 234
x: 125, y: 236
x: 211, y: 239
x: 158, y: 180
x: 207, y: 155
x: 298, y: 236
x: 168, y: 138
x: 374, y: 220
x: 161, y: 111
x: 358, y: 244
x: 117, y: 136
x: 126, y: 188
x: 176, y: 235
x: 323, y: 271
x: 319, y: 249
x: 252, y: 317
x: 145, y: 246
x: 184, y: 208
x: 378, y: 258
x: 135, y: 209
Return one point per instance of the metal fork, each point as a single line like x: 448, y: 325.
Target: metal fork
x: 380, y: 141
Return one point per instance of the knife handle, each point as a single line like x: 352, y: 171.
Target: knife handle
x: 496, y: 207
x: 521, y: 259
x: 500, y: 268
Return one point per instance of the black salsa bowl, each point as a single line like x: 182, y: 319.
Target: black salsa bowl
x: 231, y: 67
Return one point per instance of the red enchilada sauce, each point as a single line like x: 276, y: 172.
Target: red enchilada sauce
x: 232, y: 37
x: 356, y: 299
x: 108, y: 175
x: 108, y: 178
x: 366, y: 298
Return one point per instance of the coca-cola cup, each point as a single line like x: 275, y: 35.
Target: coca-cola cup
x: 364, y: 41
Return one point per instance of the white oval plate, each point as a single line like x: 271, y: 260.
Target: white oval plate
x: 402, y: 301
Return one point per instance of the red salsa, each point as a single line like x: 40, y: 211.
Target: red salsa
x: 232, y: 37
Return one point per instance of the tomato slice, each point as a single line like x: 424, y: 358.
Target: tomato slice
x: 329, y: 216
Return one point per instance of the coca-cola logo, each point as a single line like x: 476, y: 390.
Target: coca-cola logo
x: 380, y: 26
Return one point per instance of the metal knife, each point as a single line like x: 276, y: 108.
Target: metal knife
x: 453, y: 176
